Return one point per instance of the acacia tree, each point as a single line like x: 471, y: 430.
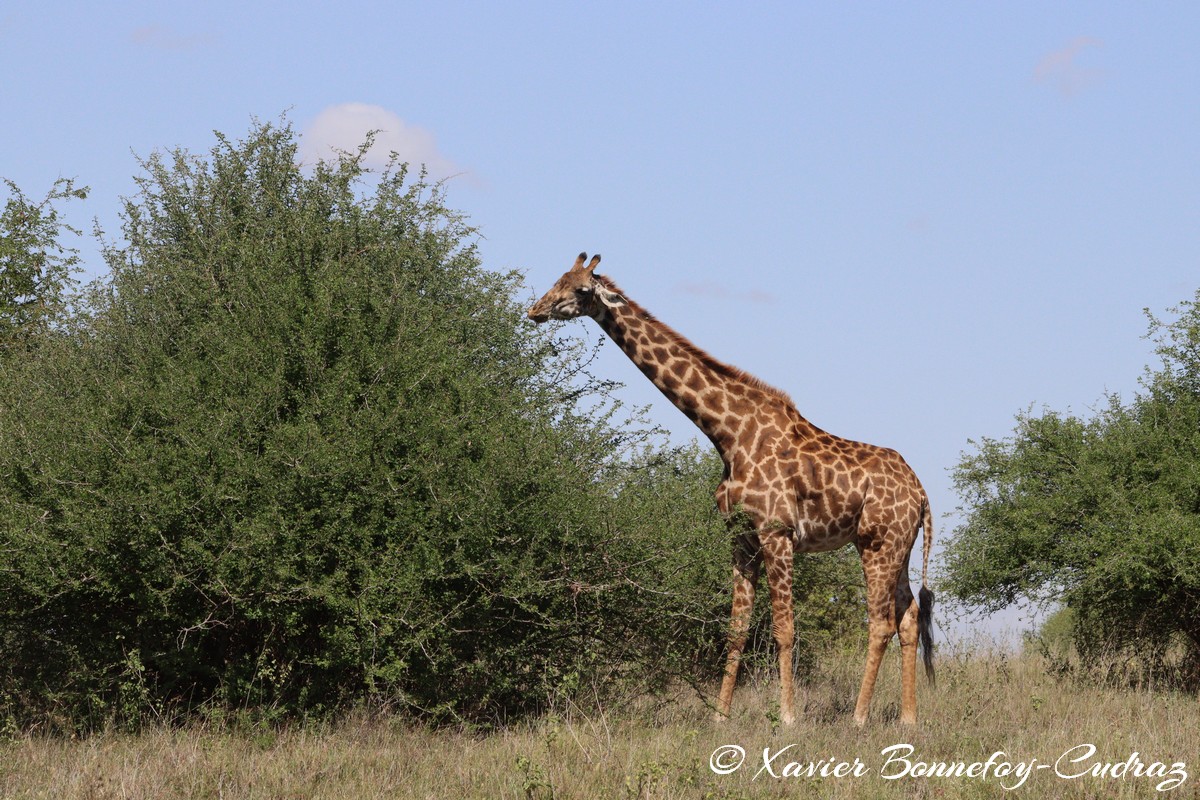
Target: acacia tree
x: 1101, y: 513
x: 36, y: 270
x: 299, y: 452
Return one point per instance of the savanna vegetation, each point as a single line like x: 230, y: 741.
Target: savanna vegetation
x: 985, y: 703
x: 295, y: 502
x: 299, y: 453
x: 1100, y: 514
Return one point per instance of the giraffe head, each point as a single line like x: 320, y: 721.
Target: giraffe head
x: 577, y: 293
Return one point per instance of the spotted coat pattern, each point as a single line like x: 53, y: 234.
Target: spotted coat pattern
x: 788, y: 487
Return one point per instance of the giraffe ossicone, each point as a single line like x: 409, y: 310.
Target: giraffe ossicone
x: 787, y: 487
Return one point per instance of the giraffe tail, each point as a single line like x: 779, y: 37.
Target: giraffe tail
x: 925, y: 596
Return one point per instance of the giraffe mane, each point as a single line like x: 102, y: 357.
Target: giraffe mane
x: 678, y: 339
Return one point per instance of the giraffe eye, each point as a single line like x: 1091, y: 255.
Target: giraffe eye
x: 584, y: 290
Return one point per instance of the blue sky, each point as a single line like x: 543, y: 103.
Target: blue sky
x: 918, y: 219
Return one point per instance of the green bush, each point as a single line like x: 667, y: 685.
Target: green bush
x: 300, y: 453
x: 36, y: 270
x: 1102, y: 513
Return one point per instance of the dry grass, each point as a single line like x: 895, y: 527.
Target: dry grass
x: 984, y: 703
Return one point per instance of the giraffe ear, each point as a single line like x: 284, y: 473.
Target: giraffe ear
x: 591, y: 264
x: 609, y: 298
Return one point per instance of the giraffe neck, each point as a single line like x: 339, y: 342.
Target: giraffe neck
x: 718, y: 398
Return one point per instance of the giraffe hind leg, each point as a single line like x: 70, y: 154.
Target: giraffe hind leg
x: 882, y: 624
x: 880, y: 633
x: 907, y: 622
x: 891, y: 609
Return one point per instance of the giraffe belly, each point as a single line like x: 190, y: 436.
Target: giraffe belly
x: 819, y: 536
x: 813, y: 528
x: 819, y: 521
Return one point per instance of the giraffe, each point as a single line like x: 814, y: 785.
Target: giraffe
x: 787, y: 487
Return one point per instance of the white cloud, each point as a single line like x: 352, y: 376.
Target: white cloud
x: 345, y: 127
x: 163, y: 38
x: 1061, y: 68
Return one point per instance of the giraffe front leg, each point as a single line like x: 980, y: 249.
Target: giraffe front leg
x: 778, y: 549
x: 746, y: 563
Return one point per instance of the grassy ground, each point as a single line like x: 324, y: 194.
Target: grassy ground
x: 983, y: 703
